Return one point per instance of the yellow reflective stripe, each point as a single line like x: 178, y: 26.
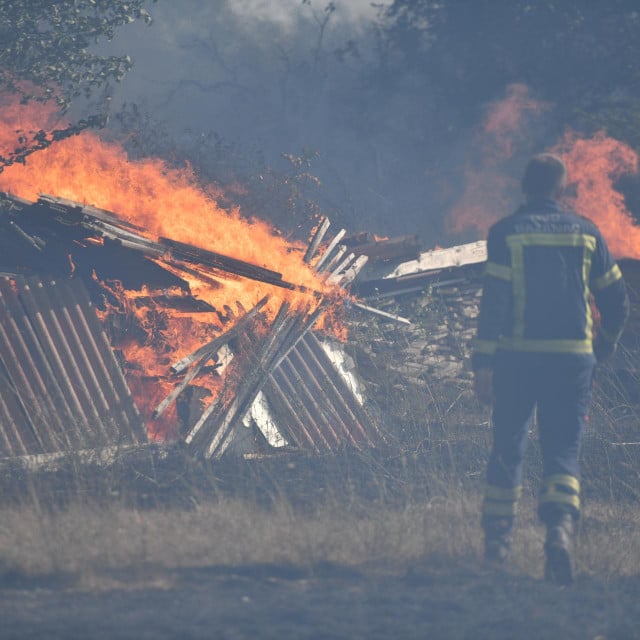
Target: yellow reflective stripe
x: 613, y: 275
x: 563, y: 479
x: 485, y: 346
x: 586, y: 269
x: 518, y: 286
x: 552, y: 240
x: 559, y: 497
x: 490, y: 508
x: 546, y: 346
x: 500, y: 493
x: 552, y: 490
x: 498, y: 271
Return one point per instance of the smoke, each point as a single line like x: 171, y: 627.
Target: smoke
x: 286, y: 14
x: 279, y: 78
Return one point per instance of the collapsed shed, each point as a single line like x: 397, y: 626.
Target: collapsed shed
x: 64, y: 383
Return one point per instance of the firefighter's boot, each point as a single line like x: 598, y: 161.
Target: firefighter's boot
x: 497, y: 538
x: 558, y: 550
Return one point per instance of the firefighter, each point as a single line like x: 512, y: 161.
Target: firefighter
x: 535, y: 349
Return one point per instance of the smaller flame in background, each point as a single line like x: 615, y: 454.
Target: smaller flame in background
x: 593, y: 166
x: 489, y: 189
x: 166, y: 202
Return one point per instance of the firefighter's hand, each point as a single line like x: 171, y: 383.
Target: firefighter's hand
x: 483, y: 385
x: 603, y: 349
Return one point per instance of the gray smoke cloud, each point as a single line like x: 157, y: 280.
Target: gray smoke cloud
x: 279, y: 77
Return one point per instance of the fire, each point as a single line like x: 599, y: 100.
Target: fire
x: 593, y: 166
x: 166, y: 202
x: 488, y: 190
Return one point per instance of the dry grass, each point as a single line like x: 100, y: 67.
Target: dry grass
x: 85, y: 538
x: 417, y: 502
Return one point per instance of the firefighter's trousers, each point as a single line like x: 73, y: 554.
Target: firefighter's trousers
x: 558, y: 386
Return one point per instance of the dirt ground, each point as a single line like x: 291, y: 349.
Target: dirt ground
x: 430, y: 601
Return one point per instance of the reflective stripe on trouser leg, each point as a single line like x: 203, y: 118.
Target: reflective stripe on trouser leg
x: 560, y: 493
x: 500, y: 502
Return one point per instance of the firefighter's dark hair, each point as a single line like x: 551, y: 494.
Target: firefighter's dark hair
x: 545, y: 176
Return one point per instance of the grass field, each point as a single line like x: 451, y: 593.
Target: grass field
x: 396, y: 525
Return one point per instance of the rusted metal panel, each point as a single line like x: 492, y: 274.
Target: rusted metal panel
x: 61, y: 388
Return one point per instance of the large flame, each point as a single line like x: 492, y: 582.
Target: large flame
x: 593, y: 166
x: 166, y: 202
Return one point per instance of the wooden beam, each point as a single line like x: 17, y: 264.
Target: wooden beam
x: 329, y: 250
x: 317, y: 239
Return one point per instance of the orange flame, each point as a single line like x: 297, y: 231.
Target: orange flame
x: 166, y: 202
x: 488, y: 192
x: 593, y: 166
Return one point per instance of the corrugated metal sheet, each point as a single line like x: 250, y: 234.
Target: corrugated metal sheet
x: 61, y: 388
x: 314, y: 406
x: 306, y: 403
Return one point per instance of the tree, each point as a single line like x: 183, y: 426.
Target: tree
x: 563, y: 49
x: 46, y: 56
x: 46, y: 46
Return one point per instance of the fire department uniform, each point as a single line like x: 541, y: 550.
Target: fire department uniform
x: 535, y: 330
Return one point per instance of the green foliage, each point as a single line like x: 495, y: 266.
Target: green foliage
x: 48, y: 44
x: 562, y: 48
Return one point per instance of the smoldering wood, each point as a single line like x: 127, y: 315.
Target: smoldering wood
x: 347, y: 270
x: 352, y: 271
x: 35, y: 242
x: 405, y: 247
x: 415, y: 282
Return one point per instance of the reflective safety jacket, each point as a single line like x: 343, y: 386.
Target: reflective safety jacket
x: 543, y: 266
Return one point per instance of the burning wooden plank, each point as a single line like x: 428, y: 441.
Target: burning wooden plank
x: 316, y: 239
x: 202, y: 356
x: 195, y: 255
x: 212, y: 347
x: 323, y: 259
